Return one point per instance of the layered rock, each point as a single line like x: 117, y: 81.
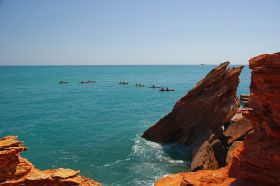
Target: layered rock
x: 17, y: 171
x: 205, y: 108
x: 212, y: 154
x: 260, y: 160
x: 257, y: 161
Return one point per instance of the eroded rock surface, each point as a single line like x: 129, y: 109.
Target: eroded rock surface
x: 260, y: 160
x: 212, y: 153
x: 210, y: 104
x: 257, y: 161
x: 17, y: 171
x: 204, y: 177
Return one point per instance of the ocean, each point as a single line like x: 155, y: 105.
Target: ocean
x: 96, y: 128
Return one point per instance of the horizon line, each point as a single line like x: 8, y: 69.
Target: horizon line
x: 2, y: 65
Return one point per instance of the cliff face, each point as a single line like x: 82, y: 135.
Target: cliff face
x: 257, y: 160
x: 260, y: 160
x: 210, y: 104
x: 17, y: 171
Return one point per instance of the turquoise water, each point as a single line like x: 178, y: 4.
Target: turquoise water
x: 96, y: 128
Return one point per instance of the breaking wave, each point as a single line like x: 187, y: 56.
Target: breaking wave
x: 149, y: 161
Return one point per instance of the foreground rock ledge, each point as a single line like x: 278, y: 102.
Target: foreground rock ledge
x: 210, y: 104
x: 17, y: 171
x: 257, y: 160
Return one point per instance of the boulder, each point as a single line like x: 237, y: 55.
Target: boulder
x: 205, y: 108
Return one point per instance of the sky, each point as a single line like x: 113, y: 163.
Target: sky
x: 133, y: 32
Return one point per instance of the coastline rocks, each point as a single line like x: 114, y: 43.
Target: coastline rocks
x: 257, y: 160
x: 205, y: 108
x: 17, y: 171
x: 239, y: 128
x: 204, y: 177
x: 212, y: 154
x: 204, y: 158
x: 260, y: 161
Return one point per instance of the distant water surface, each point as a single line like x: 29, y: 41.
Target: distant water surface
x: 96, y: 128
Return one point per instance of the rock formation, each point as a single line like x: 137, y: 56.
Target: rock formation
x: 257, y: 160
x: 205, y: 177
x: 17, y: 171
x: 210, y: 104
x: 260, y: 160
x: 211, y: 154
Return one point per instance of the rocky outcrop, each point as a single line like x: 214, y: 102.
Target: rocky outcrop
x: 210, y: 104
x: 260, y: 160
x: 212, y: 154
x: 205, y: 177
x: 17, y: 171
x: 257, y: 160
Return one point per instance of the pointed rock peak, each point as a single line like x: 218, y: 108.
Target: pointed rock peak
x: 210, y: 104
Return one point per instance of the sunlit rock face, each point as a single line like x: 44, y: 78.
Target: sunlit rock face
x: 205, y: 108
x: 260, y: 160
x: 17, y: 171
x: 257, y: 160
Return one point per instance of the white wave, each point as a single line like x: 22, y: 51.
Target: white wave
x: 151, y: 151
x: 153, y: 160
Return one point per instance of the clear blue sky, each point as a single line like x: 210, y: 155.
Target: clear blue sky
x: 137, y: 32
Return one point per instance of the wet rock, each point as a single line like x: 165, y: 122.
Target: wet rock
x: 210, y: 104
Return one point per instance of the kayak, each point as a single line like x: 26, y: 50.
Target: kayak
x: 169, y: 90
x: 154, y: 87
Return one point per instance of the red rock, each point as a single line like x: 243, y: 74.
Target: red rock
x: 17, y: 171
x: 203, y: 177
x: 210, y: 104
x: 204, y: 158
x: 211, y: 154
x: 259, y: 161
x: 239, y: 128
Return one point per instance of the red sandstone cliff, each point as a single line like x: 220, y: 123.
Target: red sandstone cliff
x: 260, y: 160
x: 210, y: 104
x: 257, y: 160
x: 17, y: 171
